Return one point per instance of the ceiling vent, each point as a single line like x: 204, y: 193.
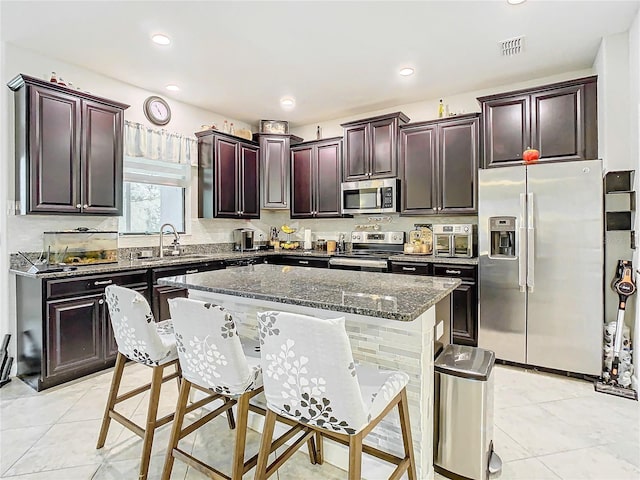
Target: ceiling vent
x: 512, y: 46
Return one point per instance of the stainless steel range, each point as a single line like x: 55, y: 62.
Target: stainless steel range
x: 370, y: 251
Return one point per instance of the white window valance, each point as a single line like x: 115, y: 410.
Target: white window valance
x: 142, y: 141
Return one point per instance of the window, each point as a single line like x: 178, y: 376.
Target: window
x: 155, y: 192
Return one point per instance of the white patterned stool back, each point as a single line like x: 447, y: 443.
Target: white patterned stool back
x: 210, y: 352
x: 138, y: 336
x: 309, y: 372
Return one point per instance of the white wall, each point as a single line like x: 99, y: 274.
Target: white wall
x: 634, y: 156
x: 428, y: 109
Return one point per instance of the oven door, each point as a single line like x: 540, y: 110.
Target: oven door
x: 442, y: 245
x: 462, y: 246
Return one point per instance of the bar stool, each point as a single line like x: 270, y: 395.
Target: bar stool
x: 310, y: 376
x: 213, y: 358
x: 144, y: 341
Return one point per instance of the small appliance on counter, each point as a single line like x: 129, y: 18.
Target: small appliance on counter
x: 243, y: 239
x: 453, y: 240
x: 78, y: 247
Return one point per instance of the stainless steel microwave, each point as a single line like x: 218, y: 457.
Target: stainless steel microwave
x: 371, y: 196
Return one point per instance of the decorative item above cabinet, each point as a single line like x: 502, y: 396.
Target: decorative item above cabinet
x: 370, y: 147
x: 560, y: 120
x: 68, y: 149
x: 228, y: 176
x: 274, y: 168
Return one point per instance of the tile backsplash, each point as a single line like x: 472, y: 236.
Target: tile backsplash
x: 26, y: 231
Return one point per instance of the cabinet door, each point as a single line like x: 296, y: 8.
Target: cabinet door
x: 302, y: 183
x: 73, y: 335
x: 383, y: 149
x: 101, y: 154
x: 557, y: 123
x: 54, y: 146
x: 206, y: 177
x: 227, y: 177
x: 417, y: 165
x: 357, y: 162
x: 458, y: 166
x: 327, y: 189
x: 249, y: 192
x: 506, y: 130
x: 274, y: 154
x: 464, y: 316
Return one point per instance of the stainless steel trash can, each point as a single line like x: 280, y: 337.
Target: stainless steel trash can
x: 463, y: 414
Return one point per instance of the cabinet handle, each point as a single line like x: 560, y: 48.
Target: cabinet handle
x: 78, y: 205
x: 408, y: 269
x: 303, y: 262
x: 101, y: 302
x: 85, y: 206
x: 455, y: 272
x: 103, y: 282
x: 284, y: 203
x: 193, y: 270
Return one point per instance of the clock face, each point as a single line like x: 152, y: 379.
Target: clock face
x: 157, y: 110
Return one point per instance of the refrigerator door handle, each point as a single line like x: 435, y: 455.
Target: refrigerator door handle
x: 522, y: 252
x: 530, y: 244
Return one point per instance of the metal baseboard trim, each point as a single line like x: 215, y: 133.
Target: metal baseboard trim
x: 563, y: 373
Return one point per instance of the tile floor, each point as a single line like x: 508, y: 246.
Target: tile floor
x: 546, y: 427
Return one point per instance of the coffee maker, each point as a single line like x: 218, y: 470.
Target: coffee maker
x: 243, y: 239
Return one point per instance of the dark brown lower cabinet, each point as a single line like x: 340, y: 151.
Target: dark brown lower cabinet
x: 464, y: 299
x: 464, y: 302
x: 162, y: 293
x: 63, y: 326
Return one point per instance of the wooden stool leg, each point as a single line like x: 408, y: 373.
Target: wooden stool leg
x: 241, y: 436
x: 319, y: 449
x: 179, y: 377
x: 111, y: 401
x: 405, y: 425
x: 265, y: 445
x: 313, y: 453
x: 152, y: 415
x: 355, y: 456
x: 181, y: 406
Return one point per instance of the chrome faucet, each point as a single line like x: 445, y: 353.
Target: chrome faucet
x: 176, y: 238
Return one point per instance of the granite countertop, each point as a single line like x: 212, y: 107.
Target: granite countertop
x: 432, y: 259
x: 395, y: 297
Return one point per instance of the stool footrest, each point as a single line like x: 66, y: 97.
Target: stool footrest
x: 198, y: 465
x: 134, y: 427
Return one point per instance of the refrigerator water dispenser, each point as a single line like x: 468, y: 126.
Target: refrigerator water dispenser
x: 503, y: 236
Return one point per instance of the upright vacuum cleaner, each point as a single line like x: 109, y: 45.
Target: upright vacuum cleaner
x: 625, y: 287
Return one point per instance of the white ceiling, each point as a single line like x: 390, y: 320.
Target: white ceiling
x: 336, y: 58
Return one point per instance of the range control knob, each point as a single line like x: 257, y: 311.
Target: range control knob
x: 466, y: 229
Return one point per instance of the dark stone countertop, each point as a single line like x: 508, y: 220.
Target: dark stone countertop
x: 395, y: 297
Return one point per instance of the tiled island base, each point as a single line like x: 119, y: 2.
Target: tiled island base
x: 387, y: 344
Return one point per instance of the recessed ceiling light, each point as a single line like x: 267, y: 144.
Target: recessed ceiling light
x: 173, y: 88
x: 287, y: 102
x: 515, y: 2
x: 161, y: 39
x: 405, y: 72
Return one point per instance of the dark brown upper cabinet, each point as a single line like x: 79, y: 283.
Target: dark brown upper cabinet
x: 274, y: 168
x: 228, y: 176
x: 559, y: 120
x: 439, y: 166
x: 370, y: 147
x: 68, y: 150
x: 315, y: 179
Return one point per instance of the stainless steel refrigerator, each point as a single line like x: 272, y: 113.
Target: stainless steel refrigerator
x: 541, y: 264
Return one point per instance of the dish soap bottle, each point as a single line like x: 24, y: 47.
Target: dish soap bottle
x: 441, y: 109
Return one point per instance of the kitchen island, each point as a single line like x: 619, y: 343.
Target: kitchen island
x: 390, y: 321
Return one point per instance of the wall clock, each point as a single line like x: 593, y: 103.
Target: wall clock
x: 157, y: 110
